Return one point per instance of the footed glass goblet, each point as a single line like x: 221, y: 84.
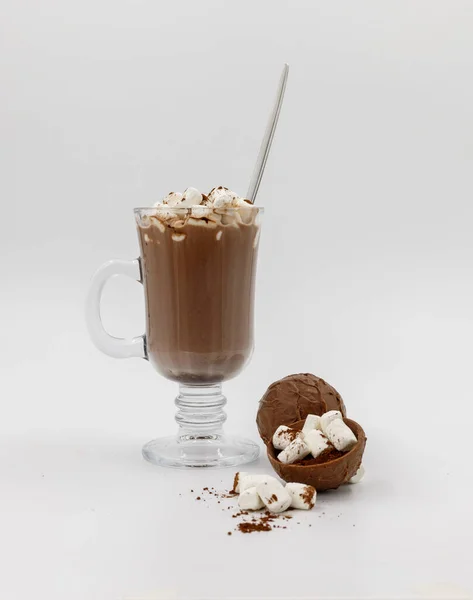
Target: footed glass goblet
x: 198, y: 272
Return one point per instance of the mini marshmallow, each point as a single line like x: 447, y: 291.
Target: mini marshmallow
x: 328, y: 417
x: 192, y: 197
x: 241, y: 202
x: 302, y: 496
x: 230, y: 219
x: 200, y: 212
x: 316, y: 442
x: 358, y: 476
x: 296, y: 450
x: 238, y: 479
x: 223, y: 201
x: 284, y: 435
x: 311, y: 422
x: 172, y: 199
x: 250, y: 500
x: 246, y: 215
x: 253, y: 480
x: 341, y: 436
x: 221, y: 196
x: 275, y: 496
x: 164, y: 214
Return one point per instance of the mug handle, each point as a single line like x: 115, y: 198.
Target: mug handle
x: 108, y: 344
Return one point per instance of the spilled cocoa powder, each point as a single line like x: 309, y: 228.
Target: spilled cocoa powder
x: 250, y: 521
x: 211, y: 491
x: 264, y: 522
x: 250, y: 527
x: 239, y: 514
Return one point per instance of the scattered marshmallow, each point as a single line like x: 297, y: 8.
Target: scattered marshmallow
x: 316, y: 442
x: 340, y: 435
x: 302, y: 496
x: 250, y: 500
x: 297, y: 450
x: 284, y: 435
x: 238, y: 479
x: 311, y: 422
x: 328, y: 417
x: 274, y: 495
x: 253, y: 480
x: 358, y: 476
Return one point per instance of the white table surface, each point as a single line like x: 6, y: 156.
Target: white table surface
x: 364, y: 278
x: 83, y: 516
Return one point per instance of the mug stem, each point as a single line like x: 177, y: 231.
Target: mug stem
x: 200, y: 412
x: 201, y: 440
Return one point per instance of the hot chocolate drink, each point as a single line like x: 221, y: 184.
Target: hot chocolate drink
x: 198, y: 262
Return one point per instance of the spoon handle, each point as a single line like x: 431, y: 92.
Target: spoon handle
x: 268, y: 138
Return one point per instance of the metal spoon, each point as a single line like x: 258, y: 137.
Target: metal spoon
x: 268, y: 138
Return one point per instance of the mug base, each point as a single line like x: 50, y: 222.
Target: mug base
x: 187, y: 451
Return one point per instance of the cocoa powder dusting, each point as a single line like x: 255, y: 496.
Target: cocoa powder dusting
x: 292, y: 434
x: 326, y: 456
x: 308, y: 496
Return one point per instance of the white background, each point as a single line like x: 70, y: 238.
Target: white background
x: 365, y: 278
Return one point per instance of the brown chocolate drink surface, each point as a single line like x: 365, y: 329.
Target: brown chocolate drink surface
x: 199, y: 278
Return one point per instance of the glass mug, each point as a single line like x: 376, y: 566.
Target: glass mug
x: 199, y: 282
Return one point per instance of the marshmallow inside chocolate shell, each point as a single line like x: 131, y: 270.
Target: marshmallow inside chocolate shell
x: 331, y: 473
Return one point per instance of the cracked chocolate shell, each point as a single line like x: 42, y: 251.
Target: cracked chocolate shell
x: 293, y: 398
x: 326, y: 475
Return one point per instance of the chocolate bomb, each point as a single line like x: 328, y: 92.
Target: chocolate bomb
x: 291, y: 399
